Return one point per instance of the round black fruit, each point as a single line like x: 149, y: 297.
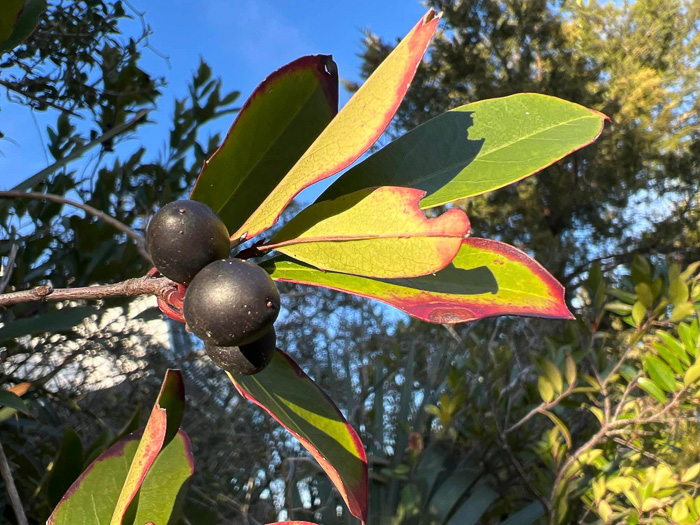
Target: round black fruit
x: 245, y: 360
x: 185, y: 236
x: 231, y: 302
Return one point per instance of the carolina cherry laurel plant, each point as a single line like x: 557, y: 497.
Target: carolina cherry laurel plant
x: 367, y: 234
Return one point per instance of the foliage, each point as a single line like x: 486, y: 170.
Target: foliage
x: 602, y: 202
x: 445, y: 460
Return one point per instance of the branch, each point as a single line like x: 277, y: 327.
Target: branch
x: 12, y: 489
x: 541, y: 409
x: 12, y: 87
x: 138, y: 239
x: 78, y: 152
x: 139, y: 286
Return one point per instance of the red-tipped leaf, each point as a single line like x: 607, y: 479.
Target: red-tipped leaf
x: 353, y: 131
x: 285, y: 392
x: 378, y: 232
x: 275, y: 126
x: 486, y: 278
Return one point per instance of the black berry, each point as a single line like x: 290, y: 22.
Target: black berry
x: 247, y: 359
x: 231, y: 302
x: 185, y: 236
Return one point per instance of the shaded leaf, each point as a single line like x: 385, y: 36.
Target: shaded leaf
x: 9, y: 12
x: 12, y: 400
x: 273, y: 129
x: 570, y: 369
x: 470, y: 512
x: 553, y: 374
x: 451, y: 491
x: 526, y: 516
x: 486, y: 278
x: 54, y: 321
x: 353, y: 131
x: 375, y: 232
x: 25, y: 23
x: 477, y: 148
x: 66, y: 467
x: 285, y: 392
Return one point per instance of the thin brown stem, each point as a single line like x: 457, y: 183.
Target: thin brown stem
x: 540, y: 409
x: 131, y: 287
x: 138, y: 239
x: 12, y: 489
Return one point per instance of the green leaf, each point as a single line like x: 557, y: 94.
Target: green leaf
x: 545, y: 388
x: 486, y: 278
x: 619, y: 308
x: 674, y: 345
x: 641, y: 270
x: 681, y: 311
x: 470, y: 512
x: 451, y: 491
x: 66, y: 467
x: 162, y: 426
x: 93, y: 496
x: 376, y: 232
x: 11, y: 400
x: 638, y: 312
x: 690, y: 343
x: 9, y: 12
x: 679, y: 511
x: 652, y: 389
x: 526, y: 516
x: 660, y: 373
x: 670, y: 358
x: 692, y: 374
x: 285, y: 392
x: 570, y: 369
x: 25, y: 23
x: 54, y: 321
x: 644, y: 294
x: 553, y: 374
x: 273, y: 129
x: 477, y: 148
x: 353, y: 131
x: 562, y: 428
x: 690, y: 473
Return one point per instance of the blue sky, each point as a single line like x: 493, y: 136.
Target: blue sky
x: 243, y: 41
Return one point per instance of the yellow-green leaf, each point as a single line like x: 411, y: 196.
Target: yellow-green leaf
x: 562, y: 428
x: 570, y: 370
x: 644, y: 294
x: 378, y: 232
x: 638, y: 312
x: 691, y: 473
x: 692, y: 374
x: 353, y: 131
x: 681, y: 311
x: 660, y: 373
x: 546, y: 389
x: 554, y: 375
x: 605, y: 511
x: 652, y: 389
x: 679, y: 511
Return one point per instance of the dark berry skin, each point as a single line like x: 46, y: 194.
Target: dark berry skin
x: 245, y: 360
x: 231, y: 302
x: 185, y: 236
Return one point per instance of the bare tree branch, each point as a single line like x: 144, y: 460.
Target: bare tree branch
x: 12, y: 489
x: 138, y: 239
x: 131, y: 287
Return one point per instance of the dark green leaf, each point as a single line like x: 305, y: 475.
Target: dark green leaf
x: 53, y: 321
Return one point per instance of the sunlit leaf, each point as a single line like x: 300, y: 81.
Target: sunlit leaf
x: 273, y: 129
x: 161, y: 428
x: 55, y: 321
x: 377, y: 232
x: 477, y: 148
x: 660, y: 373
x: 486, y: 278
x: 353, y: 131
x: 562, y: 428
x: 285, y: 392
x: 652, y: 389
x: 93, y: 497
x: 545, y: 388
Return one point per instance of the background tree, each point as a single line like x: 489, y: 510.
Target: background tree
x: 601, y: 202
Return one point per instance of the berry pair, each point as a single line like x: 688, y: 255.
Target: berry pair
x: 230, y: 304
